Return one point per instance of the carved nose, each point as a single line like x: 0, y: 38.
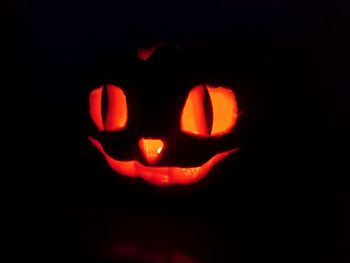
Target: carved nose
x: 151, y: 149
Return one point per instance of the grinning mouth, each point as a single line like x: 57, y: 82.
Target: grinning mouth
x: 162, y: 175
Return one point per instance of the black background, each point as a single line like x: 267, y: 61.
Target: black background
x: 284, y: 197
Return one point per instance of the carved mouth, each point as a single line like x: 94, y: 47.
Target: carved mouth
x: 162, y: 175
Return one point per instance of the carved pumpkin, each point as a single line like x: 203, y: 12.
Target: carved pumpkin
x: 137, y: 139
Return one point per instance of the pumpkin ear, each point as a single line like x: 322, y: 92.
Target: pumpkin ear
x: 145, y: 53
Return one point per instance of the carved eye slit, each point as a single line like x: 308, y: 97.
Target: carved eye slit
x: 116, y: 116
x: 209, y: 111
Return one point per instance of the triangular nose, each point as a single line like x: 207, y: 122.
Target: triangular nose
x: 151, y: 149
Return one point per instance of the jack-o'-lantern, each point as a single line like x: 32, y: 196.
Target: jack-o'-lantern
x: 161, y: 123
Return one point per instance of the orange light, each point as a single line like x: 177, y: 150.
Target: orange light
x: 145, y: 53
x: 224, y: 111
x: 193, y: 115
x: 95, y: 100
x: 117, y: 113
x: 151, y: 149
x: 162, y: 175
x: 117, y: 110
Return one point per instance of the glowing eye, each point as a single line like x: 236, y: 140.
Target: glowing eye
x: 193, y: 119
x: 209, y: 111
x: 95, y: 100
x: 116, y: 115
x: 225, y: 110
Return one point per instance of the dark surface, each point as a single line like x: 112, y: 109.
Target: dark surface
x: 284, y: 197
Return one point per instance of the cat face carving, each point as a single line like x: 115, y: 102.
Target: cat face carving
x: 159, y: 119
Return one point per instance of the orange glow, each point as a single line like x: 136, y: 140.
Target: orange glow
x: 145, y: 53
x: 151, y: 149
x: 117, y: 112
x: 95, y: 101
x: 224, y: 110
x: 162, y: 175
x: 193, y: 115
